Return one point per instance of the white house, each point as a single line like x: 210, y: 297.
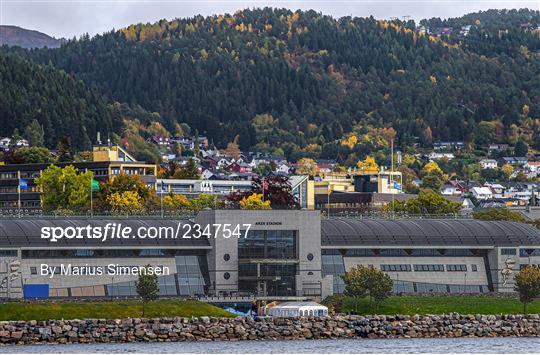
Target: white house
x: 439, y: 156
x: 497, y: 190
x: 450, y: 190
x: 488, y: 164
x: 533, y: 167
x: 4, y: 142
x: 283, y: 169
x: 482, y: 193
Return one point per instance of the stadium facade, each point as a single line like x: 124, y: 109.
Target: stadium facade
x: 274, y: 254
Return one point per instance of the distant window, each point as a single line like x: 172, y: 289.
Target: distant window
x: 310, y: 257
x: 428, y: 267
x: 474, y: 267
x: 226, y: 257
x: 396, y: 267
x: 508, y: 251
x: 227, y: 276
x: 456, y: 267
x: 33, y: 270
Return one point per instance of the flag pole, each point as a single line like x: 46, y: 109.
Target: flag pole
x: 161, y: 198
x: 392, y: 175
x: 91, y: 199
x: 19, y: 197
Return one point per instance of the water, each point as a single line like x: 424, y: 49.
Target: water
x: 346, y: 346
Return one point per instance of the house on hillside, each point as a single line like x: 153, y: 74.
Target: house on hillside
x: 497, y: 147
x: 488, y: 164
x: 439, y: 156
x: 452, y: 145
x: 482, y: 193
x: 514, y: 161
x: 450, y: 189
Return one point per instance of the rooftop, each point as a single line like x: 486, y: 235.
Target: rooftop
x: 425, y: 232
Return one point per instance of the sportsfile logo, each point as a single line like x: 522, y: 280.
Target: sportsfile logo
x: 104, y: 233
x: 121, y: 231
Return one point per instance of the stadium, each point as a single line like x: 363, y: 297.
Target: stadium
x: 266, y: 255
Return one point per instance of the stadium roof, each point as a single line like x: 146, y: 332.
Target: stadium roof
x: 26, y: 233
x: 436, y: 233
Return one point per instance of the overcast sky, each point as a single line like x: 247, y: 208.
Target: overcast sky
x: 68, y: 18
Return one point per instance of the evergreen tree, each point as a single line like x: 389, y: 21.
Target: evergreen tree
x: 147, y: 287
x: 35, y: 134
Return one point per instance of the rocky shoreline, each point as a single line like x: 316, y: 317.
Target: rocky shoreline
x: 235, y: 329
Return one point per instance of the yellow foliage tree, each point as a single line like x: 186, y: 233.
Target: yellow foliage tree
x: 125, y: 202
x: 233, y: 149
x: 254, y: 202
x: 175, y: 202
x: 307, y: 166
x: 507, y: 169
x: 350, y: 141
x: 432, y: 168
x: 368, y: 164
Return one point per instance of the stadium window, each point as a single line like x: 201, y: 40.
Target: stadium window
x: 508, y: 251
x: 428, y: 267
x: 396, y: 267
x: 456, y: 267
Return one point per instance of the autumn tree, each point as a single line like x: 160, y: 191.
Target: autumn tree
x: 307, y: 166
x: 275, y: 188
x: 175, y: 202
x: 233, y: 149
x: 126, y: 194
x: 368, y: 165
x: 254, y: 202
x: 64, y: 188
x: 527, y: 285
x: 432, y: 168
x: 126, y: 202
x: 508, y: 170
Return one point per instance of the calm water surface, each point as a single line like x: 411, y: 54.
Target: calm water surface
x: 463, y: 345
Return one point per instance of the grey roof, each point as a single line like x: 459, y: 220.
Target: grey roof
x: 473, y: 233
x: 26, y: 233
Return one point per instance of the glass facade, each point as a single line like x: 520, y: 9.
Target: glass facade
x: 269, y: 244
x: 192, y: 274
x: 268, y: 278
x: 332, y: 264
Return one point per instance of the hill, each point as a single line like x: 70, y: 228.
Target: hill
x: 63, y: 105
x: 17, y: 36
x: 305, y: 84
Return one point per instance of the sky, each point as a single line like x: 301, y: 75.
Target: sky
x: 69, y: 18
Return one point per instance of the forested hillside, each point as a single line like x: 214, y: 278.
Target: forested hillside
x: 305, y: 84
x: 63, y: 105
